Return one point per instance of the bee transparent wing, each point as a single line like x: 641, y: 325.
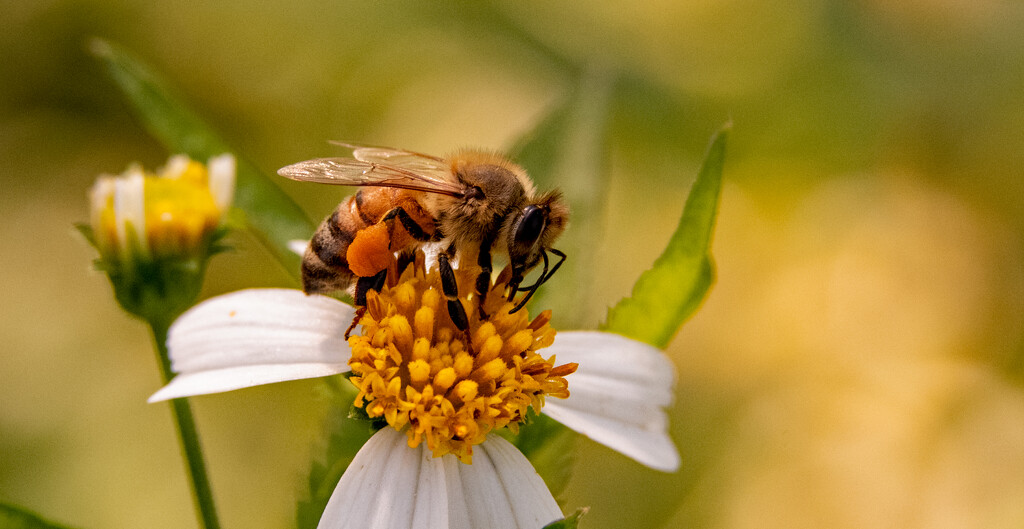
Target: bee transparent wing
x: 349, y: 172
x: 396, y: 157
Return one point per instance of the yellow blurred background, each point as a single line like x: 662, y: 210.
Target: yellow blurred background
x: 860, y: 362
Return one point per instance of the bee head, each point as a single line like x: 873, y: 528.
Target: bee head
x: 534, y: 229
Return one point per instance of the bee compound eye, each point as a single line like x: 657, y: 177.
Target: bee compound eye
x: 530, y: 226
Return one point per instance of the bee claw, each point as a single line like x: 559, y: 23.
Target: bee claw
x: 355, y: 321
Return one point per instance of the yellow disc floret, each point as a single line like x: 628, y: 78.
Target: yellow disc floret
x: 413, y: 367
x: 179, y: 214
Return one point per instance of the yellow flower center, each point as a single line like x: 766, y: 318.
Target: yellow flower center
x: 180, y: 213
x: 156, y: 215
x: 413, y: 367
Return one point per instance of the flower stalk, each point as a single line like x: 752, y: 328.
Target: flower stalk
x: 155, y: 233
x: 202, y: 495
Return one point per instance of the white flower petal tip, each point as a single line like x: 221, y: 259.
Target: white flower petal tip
x: 231, y: 378
x: 130, y: 209
x: 617, y: 395
x: 254, y: 337
x: 298, y: 246
x: 222, y: 171
x: 175, y: 165
x: 389, y: 485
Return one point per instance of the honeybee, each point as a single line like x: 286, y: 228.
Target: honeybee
x: 471, y: 202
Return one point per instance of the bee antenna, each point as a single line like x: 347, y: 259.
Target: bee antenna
x: 533, y: 288
x: 540, y: 278
x: 545, y: 275
x: 526, y: 298
x: 561, y: 259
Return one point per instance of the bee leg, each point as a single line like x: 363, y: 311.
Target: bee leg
x: 364, y: 285
x: 451, y: 291
x: 355, y: 321
x: 378, y: 281
x: 483, y: 280
x: 415, y: 230
x: 405, y: 259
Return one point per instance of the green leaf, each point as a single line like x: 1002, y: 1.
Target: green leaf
x: 12, y: 517
x: 342, y: 439
x: 539, y: 149
x: 572, y: 522
x: 550, y: 447
x: 672, y: 290
x: 269, y: 213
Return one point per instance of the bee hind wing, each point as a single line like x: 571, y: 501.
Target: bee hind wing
x: 391, y: 156
x: 350, y: 172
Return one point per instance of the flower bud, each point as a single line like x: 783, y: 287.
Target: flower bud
x: 155, y: 232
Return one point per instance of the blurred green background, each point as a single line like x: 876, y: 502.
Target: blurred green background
x: 860, y: 362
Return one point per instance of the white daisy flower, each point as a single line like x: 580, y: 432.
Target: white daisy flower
x: 438, y: 464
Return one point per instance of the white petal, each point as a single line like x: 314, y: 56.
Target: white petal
x: 617, y: 395
x: 175, y: 166
x: 231, y: 378
x: 298, y: 246
x: 221, y: 171
x: 502, y: 481
x: 381, y: 488
x: 130, y: 210
x: 391, y: 486
x: 101, y: 193
x: 253, y: 337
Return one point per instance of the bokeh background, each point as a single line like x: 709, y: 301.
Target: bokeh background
x: 859, y: 363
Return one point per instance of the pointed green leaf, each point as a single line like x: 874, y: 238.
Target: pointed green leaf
x: 12, y: 517
x: 342, y: 438
x: 571, y: 522
x: 672, y: 290
x: 269, y: 213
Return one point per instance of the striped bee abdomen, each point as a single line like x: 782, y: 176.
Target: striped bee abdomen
x: 325, y: 265
x: 362, y: 235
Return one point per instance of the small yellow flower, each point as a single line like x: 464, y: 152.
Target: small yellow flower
x: 155, y: 232
x: 145, y: 216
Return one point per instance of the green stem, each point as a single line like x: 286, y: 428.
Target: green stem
x: 201, y: 493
